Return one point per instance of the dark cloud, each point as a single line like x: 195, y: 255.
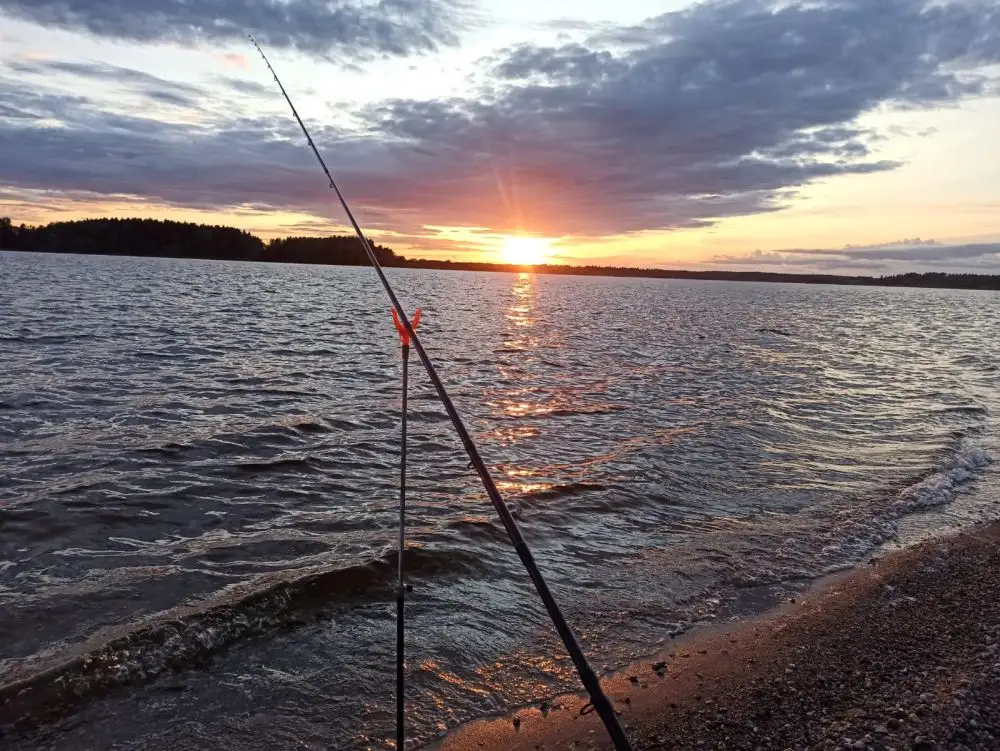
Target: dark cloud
x: 905, y: 255
x: 242, y: 86
x: 155, y: 88
x: 71, y: 144
x: 360, y: 28
x: 935, y: 252
x: 724, y: 109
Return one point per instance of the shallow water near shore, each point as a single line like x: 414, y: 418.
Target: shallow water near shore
x: 198, y: 500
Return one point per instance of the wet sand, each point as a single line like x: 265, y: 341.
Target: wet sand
x: 903, y: 653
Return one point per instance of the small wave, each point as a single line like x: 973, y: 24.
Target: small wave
x: 543, y: 411
x: 44, y: 338
x: 970, y: 409
x: 778, y: 332
x: 190, y: 635
x: 166, y: 449
x: 937, y: 489
x: 274, y: 465
x: 150, y: 355
x: 481, y: 529
x: 567, y: 489
x: 975, y: 360
x: 310, y: 427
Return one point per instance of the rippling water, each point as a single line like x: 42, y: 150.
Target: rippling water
x: 199, y: 465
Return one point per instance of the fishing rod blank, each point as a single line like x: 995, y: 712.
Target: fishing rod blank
x: 602, y: 705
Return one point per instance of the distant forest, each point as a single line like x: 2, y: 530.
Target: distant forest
x: 151, y: 237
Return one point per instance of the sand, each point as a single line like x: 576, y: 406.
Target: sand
x: 903, y: 653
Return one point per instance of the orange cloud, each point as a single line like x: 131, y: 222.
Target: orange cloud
x: 235, y: 61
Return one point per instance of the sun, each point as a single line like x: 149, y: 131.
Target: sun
x: 525, y: 251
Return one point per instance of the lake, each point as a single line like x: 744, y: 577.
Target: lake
x: 198, y: 493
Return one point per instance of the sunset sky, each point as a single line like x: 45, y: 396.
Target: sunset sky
x: 858, y: 136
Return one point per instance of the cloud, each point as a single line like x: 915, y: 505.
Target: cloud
x: 155, y: 88
x: 235, y: 60
x: 358, y: 27
x: 905, y: 255
x: 71, y: 144
x: 253, y: 88
x: 724, y: 109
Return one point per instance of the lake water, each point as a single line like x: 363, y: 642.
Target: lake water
x: 199, y: 473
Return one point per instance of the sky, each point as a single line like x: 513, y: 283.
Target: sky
x: 829, y: 136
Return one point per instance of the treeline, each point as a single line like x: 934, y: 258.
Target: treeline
x: 133, y: 237
x: 343, y: 251
x: 631, y: 271
x: 152, y: 237
x: 912, y: 279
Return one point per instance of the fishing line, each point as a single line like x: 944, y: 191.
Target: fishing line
x: 598, y: 698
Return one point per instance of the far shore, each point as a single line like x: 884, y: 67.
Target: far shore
x: 902, y: 653
x: 150, y: 238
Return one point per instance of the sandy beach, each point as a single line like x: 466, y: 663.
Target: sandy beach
x: 903, y: 653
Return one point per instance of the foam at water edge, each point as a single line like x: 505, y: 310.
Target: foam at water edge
x: 937, y: 489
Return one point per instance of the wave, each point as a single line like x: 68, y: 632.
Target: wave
x: 602, y: 409
x: 310, y: 427
x: 937, y: 488
x: 566, y: 489
x: 479, y: 529
x: 268, y: 435
x: 969, y: 409
x: 44, y: 338
x: 777, y: 332
x: 281, y: 463
x: 48, y: 685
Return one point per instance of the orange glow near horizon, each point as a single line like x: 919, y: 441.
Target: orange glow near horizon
x: 525, y: 251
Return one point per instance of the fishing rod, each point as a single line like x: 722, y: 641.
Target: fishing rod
x: 598, y: 699
x: 404, y: 342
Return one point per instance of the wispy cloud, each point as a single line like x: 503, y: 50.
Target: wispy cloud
x: 888, y: 257
x: 365, y: 29
x: 156, y: 88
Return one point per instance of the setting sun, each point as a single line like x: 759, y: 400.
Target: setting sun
x: 525, y: 250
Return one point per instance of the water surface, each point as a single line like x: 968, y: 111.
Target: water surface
x: 198, y: 493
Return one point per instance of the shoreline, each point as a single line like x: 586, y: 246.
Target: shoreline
x: 910, y: 280
x: 901, y: 653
